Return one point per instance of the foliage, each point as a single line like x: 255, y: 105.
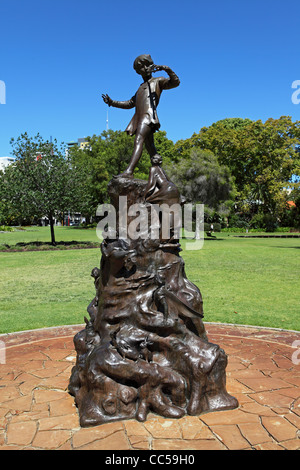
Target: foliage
x: 5, y: 228
x: 237, y: 167
x: 262, y: 157
x: 103, y: 157
x: 267, y: 222
x: 201, y: 179
x: 215, y: 227
x: 108, y: 155
x: 164, y: 146
x: 237, y: 220
x: 42, y: 181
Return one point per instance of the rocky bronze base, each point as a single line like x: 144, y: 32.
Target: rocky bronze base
x: 144, y: 347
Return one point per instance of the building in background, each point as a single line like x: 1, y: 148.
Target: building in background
x: 82, y: 142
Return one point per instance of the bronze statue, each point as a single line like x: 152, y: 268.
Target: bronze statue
x: 145, y: 346
x: 145, y: 120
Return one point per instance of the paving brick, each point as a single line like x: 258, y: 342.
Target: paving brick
x: 50, y: 440
x: 293, y: 419
x: 9, y: 393
x: 36, y: 412
x: 282, y: 362
x: 11, y: 447
x: 229, y: 417
x: 279, y: 428
x: 164, y: 428
x: 87, y: 435
x: 27, y: 416
x: 55, y: 423
x: 139, y: 442
x: 28, y: 383
x: 134, y: 428
x: 47, y: 372
x: 291, y: 379
x: 234, y: 386
x: 263, y: 383
x: 231, y: 436
x: 193, y: 428
x: 33, y: 366
x: 63, y: 407
x: 290, y: 392
x: 55, y: 382
x: 22, y: 433
x: 248, y: 374
x: 293, y: 444
x: 257, y: 409
x: 273, y: 399
x: 254, y: 433
x: 296, y: 405
x: 269, y: 446
x: 179, y: 444
x: 46, y: 396
x: 116, y: 441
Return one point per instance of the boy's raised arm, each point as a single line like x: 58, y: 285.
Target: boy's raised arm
x: 167, y: 83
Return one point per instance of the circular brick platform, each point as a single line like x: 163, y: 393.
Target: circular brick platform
x: 36, y: 412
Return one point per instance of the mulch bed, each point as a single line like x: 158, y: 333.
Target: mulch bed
x: 47, y: 246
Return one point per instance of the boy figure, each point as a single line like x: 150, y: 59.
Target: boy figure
x: 145, y: 120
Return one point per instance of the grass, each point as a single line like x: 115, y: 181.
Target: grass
x: 248, y: 281
x: 42, y: 234
x: 41, y: 289
x: 244, y: 281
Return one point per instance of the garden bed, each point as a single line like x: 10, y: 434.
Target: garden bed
x: 47, y: 246
x: 268, y: 236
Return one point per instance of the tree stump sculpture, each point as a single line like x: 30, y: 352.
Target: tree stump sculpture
x: 144, y: 347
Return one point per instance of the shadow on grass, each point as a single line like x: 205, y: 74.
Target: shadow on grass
x: 44, y: 246
x: 294, y: 247
x: 213, y: 239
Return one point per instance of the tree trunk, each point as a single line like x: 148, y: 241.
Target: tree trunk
x: 51, y: 220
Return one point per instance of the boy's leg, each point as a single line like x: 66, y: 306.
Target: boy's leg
x: 142, y: 134
x: 150, y: 145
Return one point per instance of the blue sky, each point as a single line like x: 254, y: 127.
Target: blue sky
x: 235, y: 58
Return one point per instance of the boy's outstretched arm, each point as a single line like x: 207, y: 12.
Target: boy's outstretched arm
x: 119, y: 104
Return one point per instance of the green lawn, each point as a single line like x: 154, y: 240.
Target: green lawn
x: 42, y: 234
x: 244, y: 281
x: 248, y: 281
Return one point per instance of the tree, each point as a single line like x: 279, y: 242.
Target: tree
x: 262, y: 157
x: 42, y: 181
x: 164, y: 146
x: 108, y: 155
x: 201, y: 179
x: 8, y: 214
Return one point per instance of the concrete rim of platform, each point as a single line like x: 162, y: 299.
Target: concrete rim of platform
x: 82, y: 325
x: 17, y: 338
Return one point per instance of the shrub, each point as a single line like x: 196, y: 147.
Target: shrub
x: 6, y: 228
x: 216, y: 227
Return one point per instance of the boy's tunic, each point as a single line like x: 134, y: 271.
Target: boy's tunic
x: 146, y: 101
